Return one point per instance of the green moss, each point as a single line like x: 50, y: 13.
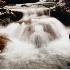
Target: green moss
x: 49, y: 5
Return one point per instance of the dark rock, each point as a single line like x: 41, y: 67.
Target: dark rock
x: 62, y: 13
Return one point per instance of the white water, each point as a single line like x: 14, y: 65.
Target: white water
x: 31, y: 12
x: 41, y: 43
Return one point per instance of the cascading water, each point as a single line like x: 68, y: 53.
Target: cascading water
x: 39, y: 41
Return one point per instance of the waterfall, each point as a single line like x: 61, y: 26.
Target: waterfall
x: 39, y: 41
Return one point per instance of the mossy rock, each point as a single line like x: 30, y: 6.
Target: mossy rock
x: 48, y: 5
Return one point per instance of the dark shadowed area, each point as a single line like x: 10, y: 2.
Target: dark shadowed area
x: 20, y: 1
